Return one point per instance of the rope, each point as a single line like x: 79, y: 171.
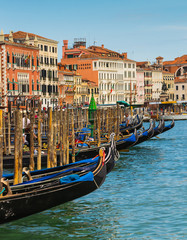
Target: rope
x: 2, y: 191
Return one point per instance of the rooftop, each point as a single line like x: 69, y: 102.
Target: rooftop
x: 179, y: 60
x: 22, y: 35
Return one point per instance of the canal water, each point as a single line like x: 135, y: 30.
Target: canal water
x: 144, y: 197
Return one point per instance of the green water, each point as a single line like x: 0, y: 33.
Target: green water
x: 144, y: 197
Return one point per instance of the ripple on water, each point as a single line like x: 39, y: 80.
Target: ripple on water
x: 144, y: 197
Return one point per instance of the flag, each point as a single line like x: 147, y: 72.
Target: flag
x: 112, y: 87
x: 27, y: 59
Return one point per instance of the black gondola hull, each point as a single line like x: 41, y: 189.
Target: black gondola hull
x: 19, y: 206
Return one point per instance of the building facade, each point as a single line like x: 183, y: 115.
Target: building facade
x: 168, y: 79
x: 48, y: 57
x: 157, y: 81
x: 113, y: 73
x: 180, y: 90
x: 140, y: 85
x: 66, y: 86
x: 20, y: 74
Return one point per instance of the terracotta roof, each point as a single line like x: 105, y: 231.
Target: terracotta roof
x: 97, y: 52
x: 141, y: 64
x: 179, y: 60
x: 19, y: 44
x: 166, y: 72
x: 178, y: 80
x: 159, y: 57
x: 22, y: 35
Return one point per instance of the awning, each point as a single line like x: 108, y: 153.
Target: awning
x: 123, y: 103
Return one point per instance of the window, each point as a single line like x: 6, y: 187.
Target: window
x: 129, y: 74
x: 53, y: 49
x: 8, y: 85
x: 125, y: 65
x: 177, y: 88
x: 133, y: 65
x: 95, y: 64
x: 32, y: 85
x: 50, y: 49
x: 182, y: 87
x: 41, y: 47
x: 8, y: 57
x: 129, y: 65
x: 183, y: 96
x: 177, y: 97
x: 45, y: 48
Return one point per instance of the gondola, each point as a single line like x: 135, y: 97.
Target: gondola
x: 125, y: 143
x: 146, y: 134
x: 169, y: 126
x: 25, y: 203
x: 159, y: 129
x: 80, y: 153
x: 111, y: 156
x: 130, y: 129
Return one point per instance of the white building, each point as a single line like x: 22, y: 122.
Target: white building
x: 116, y: 80
x: 157, y: 80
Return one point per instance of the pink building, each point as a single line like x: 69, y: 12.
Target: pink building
x: 140, y: 85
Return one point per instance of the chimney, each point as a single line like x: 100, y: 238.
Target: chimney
x: 65, y: 44
x: 2, y: 38
x: 124, y: 55
x: 102, y: 45
x: 27, y: 39
x: 35, y: 41
x: 65, y: 47
x: 11, y: 36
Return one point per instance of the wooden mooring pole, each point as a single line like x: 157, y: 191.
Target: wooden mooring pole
x: 49, y: 142
x: 18, y: 141
x: 1, y: 148
x: 73, y: 136
x: 31, y: 166
x: 39, y: 138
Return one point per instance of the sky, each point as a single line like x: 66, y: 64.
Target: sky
x: 145, y: 29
